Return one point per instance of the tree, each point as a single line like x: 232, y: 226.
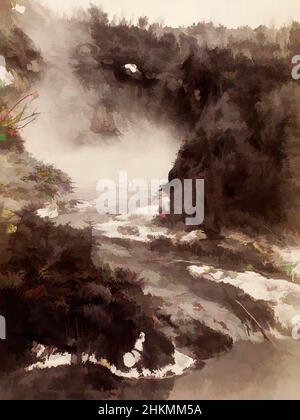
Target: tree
x: 65, y: 301
x: 143, y: 22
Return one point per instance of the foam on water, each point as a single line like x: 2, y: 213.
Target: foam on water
x: 283, y: 296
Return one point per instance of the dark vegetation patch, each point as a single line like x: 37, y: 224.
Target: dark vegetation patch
x: 88, y: 382
x: 52, y: 293
x: 233, y: 100
x: 203, y: 341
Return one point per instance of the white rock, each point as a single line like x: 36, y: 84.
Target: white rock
x: 129, y: 360
x: 51, y: 212
x: 53, y: 360
x: 131, y: 67
x: 20, y: 9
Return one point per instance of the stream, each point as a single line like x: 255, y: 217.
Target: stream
x: 253, y: 367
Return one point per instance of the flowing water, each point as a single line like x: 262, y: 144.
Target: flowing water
x: 253, y: 368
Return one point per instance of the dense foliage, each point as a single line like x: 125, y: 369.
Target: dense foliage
x: 230, y: 94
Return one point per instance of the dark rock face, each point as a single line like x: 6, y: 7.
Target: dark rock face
x: 20, y: 54
x: 243, y: 147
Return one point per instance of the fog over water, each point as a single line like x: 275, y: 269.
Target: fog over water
x: 62, y: 135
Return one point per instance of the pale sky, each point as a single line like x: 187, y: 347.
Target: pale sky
x: 231, y: 13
